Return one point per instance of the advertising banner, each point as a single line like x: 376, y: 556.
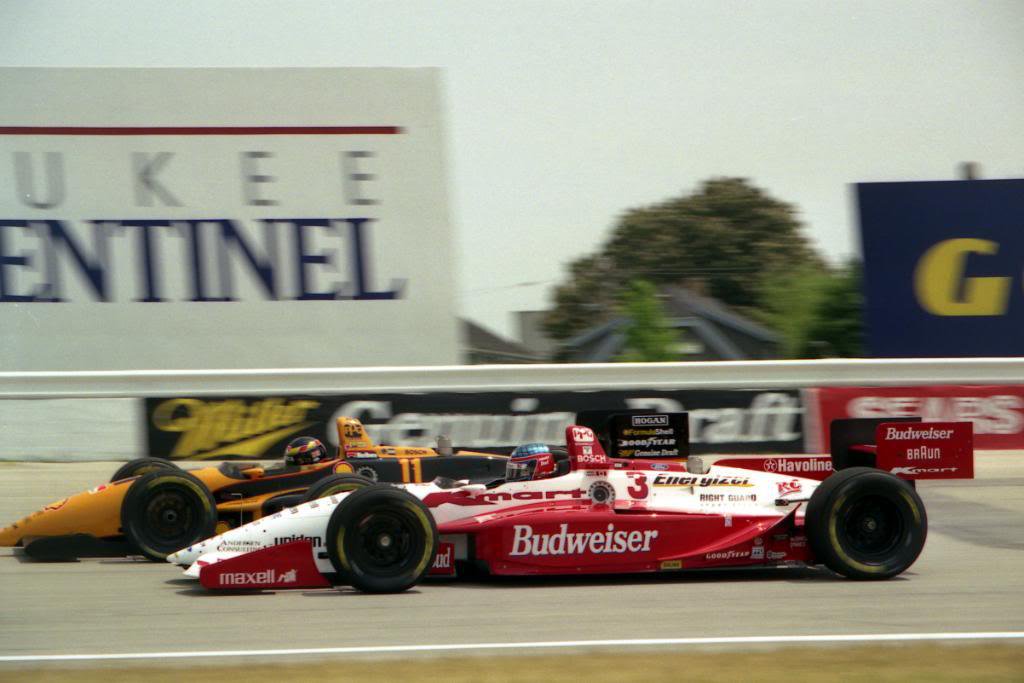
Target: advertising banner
x: 996, y: 411
x: 259, y: 427
x: 648, y: 436
x: 223, y: 218
x: 942, y: 267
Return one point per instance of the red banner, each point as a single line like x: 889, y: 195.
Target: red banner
x: 996, y: 411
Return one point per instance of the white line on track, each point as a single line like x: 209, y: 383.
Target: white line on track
x: 648, y: 642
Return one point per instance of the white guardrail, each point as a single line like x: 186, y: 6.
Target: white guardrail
x: 98, y: 415
x: 706, y: 375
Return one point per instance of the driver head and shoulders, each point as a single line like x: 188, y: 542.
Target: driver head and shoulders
x: 530, y: 462
x: 304, y: 451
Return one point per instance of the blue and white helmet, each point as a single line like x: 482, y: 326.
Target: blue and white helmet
x: 529, y: 462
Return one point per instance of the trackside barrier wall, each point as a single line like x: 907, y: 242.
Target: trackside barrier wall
x: 102, y: 415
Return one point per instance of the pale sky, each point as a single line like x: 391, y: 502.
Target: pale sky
x: 561, y: 115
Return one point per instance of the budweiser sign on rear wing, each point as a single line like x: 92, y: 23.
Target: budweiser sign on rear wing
x: 926, y: 450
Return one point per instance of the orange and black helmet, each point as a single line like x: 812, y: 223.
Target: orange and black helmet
x: 305, y: 450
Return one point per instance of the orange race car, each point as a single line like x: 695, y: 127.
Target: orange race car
x: 151, y: 507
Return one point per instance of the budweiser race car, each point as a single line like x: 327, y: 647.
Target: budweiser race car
x: 150, y: 507
x: 597, y: 514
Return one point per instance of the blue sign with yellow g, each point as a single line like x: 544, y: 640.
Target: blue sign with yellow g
x: 943, y: 267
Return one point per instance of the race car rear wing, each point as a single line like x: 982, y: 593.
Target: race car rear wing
x: 645, y: 434
x: 906, y: 447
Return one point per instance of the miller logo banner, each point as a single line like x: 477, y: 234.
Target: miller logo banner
x: 223, y: 218
x: 230, y: 428
x: 943, y: 267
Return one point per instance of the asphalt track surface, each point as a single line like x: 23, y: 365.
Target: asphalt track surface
x: 968, y: 579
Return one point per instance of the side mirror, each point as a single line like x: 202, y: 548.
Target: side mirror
x: 444, y: 445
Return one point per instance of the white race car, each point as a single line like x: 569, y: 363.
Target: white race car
x: 596, y: 514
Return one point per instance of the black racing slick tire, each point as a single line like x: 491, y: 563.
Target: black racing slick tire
x: 134, y: 468
x: 864, y: 523
x: 342, y: 482
x: 381, y: 539
x: 163, y: 512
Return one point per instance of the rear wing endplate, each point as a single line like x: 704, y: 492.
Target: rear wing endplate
x: 906, y: 447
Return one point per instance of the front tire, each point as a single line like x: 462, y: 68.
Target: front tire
x: 134, y: 468
x: 166, y: 511
x: 381, y: 539
x: 336, y: 483
x: 866, y: 524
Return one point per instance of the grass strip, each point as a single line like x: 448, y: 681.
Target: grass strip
x: 883, y: 662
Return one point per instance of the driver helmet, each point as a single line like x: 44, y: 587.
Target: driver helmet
x: 530, y: 461
x: 304, y: 450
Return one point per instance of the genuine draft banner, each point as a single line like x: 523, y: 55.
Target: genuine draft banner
x: 223, y: 218
x: 206, y: 428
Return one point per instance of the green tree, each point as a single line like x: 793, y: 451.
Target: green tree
x: 837, y: 327
x: 649, y: 337
x: 817, y: 310
x: 585, y: 299
x: 790, y: 302
x: 726, y: 240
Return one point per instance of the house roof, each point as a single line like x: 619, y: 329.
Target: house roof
x: 681, y: 301
x: 702, y: 316
x: 478, y: 339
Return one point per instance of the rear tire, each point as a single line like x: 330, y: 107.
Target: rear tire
x: 134, y: 468
x: 166, y: 511
x: 381, y: 539
x: 864, y: 523
x: 336, y: 483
